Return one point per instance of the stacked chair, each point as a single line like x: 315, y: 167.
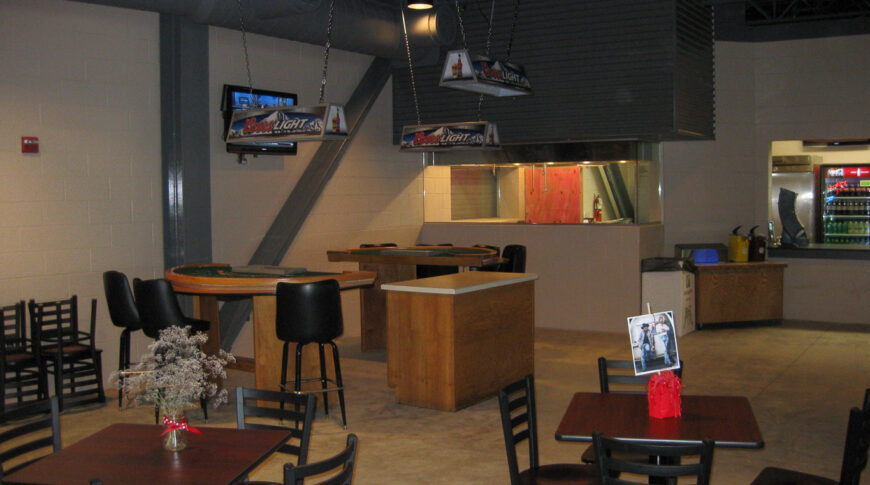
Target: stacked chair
x: 23, y: 376
x: 67, y: 352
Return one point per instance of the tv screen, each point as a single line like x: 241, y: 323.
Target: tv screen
x: 241, y: 97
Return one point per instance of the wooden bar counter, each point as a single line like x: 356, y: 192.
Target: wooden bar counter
x: 456, y: 339
x: 738, y: 292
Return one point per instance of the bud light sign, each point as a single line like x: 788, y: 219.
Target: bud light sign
x: 472, y: 135
x: 287, y: 123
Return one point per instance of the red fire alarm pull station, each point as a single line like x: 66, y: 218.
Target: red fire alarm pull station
x: 29, y: 144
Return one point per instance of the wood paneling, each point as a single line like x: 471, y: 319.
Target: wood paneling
x: 449, y: 351
x: 737, y: 292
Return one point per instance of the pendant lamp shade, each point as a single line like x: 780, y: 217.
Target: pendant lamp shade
x: 472, y: 135
x: 483, y: 75
x: 419, y: 4
x: 288, y: 123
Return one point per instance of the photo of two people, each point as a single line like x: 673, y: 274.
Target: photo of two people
x: 653, y: 343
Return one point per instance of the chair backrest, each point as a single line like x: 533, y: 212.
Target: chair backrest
x: 516, y: 259
x: 29, y: 436
x: 309, y: 312
x: 257, y: 403
x: 670, y: 464
x: 119, y: 299
x: 857, y: 443
x: 621, y: 374
x: 157, y: 305
x: 519, y: 423
x: 343, y: 461
x: 14, y: 329
x: 54, y: 321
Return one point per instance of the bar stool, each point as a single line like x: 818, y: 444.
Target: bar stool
x: 311, y: 313
x: 124, y: 314
x: 158, y: 309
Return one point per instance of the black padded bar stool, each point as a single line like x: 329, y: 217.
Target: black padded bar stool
x: 158, y: 309
x: 124, y: 314
x: 311, y: 313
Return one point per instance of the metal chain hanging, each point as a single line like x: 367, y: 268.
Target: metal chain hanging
x: 411, y: 67
x: 513, y: 30
x: 326, y: 50
x: 245, y: 47
x: 488, y: 44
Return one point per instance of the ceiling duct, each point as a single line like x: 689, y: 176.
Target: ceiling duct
x: 364, y: 26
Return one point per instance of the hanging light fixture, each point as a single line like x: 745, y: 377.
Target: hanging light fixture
x: 448, y: 136
x: 483, y: 74
x: 323, y: 121
x: 419, y: 4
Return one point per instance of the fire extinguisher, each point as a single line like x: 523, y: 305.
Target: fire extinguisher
x: 596, y: 209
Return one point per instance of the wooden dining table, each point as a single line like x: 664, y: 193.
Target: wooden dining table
x: 133, y: 454
x: 728, y: 420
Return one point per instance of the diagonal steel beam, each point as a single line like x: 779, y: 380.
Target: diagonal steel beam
x: 298, y: 205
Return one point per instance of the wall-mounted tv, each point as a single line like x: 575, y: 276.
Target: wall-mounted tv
x: 241, y: 97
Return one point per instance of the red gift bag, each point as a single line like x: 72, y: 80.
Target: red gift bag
x: 663, y: 393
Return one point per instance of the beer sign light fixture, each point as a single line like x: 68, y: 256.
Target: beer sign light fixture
x: 472, y: 135
x: 320, y: 122
x: 288, y: 123
x: 484, y: 75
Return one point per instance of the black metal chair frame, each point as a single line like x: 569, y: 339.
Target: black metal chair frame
x: 666, y: 468
x: 125, y: 315
x: 23, y: 376
x: 854, y: 456
x: 304, y: 408
x: 36, y: 426
x: 345, y: 459
x: 72, y: 352
x: 517, y: 405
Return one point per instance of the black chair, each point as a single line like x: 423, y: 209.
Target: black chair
x: 519, y: 423
x: 854, y: 458
x: 491, y: 267
x: 429, y: 270
x: 29, y: 436
x: 341, y: 466
x: 75, y: 360
x: 124, y: 314
x: 667, y: 468
x: 23, y: 376
x: 516, y: 259
x: 311, y: 313
x: 159, y: 309
x: 305, y: 405
x: 620, y: 374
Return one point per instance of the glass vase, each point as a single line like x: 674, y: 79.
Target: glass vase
x: 175, y: 436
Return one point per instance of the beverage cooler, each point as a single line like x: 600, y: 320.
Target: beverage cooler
x: 844, y: 192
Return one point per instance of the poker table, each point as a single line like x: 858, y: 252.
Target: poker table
x: 207, y: 282
x: 393, y: 264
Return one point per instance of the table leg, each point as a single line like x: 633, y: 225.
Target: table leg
x: 205, y: 307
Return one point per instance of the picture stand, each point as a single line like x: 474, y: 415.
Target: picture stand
x: 653, y: 342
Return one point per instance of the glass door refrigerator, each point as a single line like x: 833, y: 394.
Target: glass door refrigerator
x: 845, y: 204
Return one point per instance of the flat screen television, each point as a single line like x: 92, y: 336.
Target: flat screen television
x: 241, y: 97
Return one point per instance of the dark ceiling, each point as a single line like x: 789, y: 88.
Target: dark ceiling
x: 773, y: 20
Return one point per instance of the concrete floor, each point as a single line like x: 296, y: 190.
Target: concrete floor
x: 800, y: 378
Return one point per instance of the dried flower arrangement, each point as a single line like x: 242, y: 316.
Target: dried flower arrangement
x: 175, y: 374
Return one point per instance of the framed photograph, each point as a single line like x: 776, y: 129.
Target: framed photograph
x: 653, y: 343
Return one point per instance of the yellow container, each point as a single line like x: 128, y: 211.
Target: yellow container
x: 738, y: 248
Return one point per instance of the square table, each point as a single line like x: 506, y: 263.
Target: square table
x: 133, y: 454
x: 726, y: 419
